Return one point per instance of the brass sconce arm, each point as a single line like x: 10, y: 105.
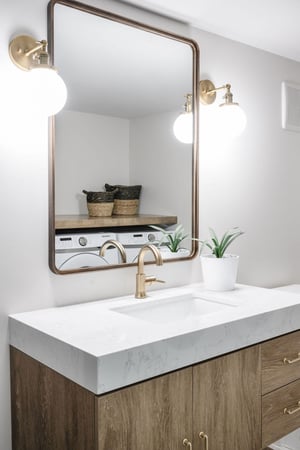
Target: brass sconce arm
x: 26, y: 52
x: 208, y: 93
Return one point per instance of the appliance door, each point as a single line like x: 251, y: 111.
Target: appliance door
x: 78, y: 260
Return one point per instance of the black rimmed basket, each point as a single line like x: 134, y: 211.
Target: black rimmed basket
x: 100, y: 204
x: 126, y: 199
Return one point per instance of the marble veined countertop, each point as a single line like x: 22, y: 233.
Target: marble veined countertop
x: 103, y: 348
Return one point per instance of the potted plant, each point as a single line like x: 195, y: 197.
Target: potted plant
x: 219, y: 269
x: 170, y: 243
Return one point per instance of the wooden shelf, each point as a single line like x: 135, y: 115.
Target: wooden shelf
x: 84, y: 221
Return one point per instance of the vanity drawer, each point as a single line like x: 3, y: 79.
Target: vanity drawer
x: 280, y: 361
x: 280, y: 412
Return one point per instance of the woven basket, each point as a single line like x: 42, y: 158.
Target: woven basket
x: 124, y: 192
x: 125, y: 207
x: 100, y: 209
x: 99, y: 197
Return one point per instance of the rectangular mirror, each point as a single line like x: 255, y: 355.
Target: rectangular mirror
x: 126, y: 84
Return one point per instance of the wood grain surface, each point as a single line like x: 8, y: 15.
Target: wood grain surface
x: 153, y: 415
x: 84, y: 221
x: 274, y: 372
x: 49, y: 412
x: 227, y: 401
x: 275, y: 423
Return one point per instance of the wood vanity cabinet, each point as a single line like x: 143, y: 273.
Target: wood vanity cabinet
x: 227, y: 403
x: 244, y: 400
x: 280, y: 359
x: 220, y: 398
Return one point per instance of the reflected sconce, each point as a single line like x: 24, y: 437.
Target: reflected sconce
x: 231, y: 118
x: 47, y: 90
x: 183, y: 125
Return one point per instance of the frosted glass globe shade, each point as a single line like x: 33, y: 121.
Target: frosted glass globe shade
x: 231, y: 120
x: 183, y: 128
x: 48, y: 90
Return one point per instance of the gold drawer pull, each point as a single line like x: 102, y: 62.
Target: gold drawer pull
x: 204, y: 436
x: 187, y: 443
x: 292, y: 410
x: 291, y: 361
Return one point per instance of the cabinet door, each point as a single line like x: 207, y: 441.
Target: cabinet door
x: 153, y: 415
x: 226, y: 402
x: 49, y: 412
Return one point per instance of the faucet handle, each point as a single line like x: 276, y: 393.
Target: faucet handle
x: 153, y: 279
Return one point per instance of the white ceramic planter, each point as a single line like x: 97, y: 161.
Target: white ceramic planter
x: 219, y: 274
x: 181, y: 253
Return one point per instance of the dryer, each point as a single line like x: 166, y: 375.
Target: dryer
x: 133, y: 241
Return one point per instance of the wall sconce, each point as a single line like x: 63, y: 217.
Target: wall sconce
x: 183, y: 125
x: 232, y: 118
x: 47, y: 89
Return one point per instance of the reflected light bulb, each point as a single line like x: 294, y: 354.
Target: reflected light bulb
x: 183, y: 128
x: 48, y: 90
x: 231, y: 119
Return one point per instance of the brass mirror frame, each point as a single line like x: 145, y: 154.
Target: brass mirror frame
x: 195, y: 92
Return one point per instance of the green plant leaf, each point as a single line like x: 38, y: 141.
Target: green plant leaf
x: 171, y: 238
x: 230, y: 239
x: 217, y: 247
x: 213, y: 236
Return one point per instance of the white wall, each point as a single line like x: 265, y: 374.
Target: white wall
x: 253, y: 184
x: 162, y: 165
x: 90, y: 150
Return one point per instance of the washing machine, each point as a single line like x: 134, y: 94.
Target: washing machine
x: 81, y: 250
x: 132, y: 241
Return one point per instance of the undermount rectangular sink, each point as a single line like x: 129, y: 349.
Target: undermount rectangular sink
x: 173, y: 309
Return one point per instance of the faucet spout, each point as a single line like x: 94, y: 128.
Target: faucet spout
x: 116, y: 244
x: 141, y: 278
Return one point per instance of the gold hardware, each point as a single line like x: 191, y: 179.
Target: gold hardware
x: 208, y: 93
x: 291, y: 361
x: 26, y: 52
x: 292, y: 410
x: 116, y: 244
x: 188, y: 106
x: 204, y: 436
x: 141, y: 278
x: 187, y: 443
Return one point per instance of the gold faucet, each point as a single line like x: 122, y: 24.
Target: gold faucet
x: 113, y: 243
x: 141, y: 278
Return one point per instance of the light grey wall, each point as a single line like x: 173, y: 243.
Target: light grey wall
x: 253, y: 183
x: 91, y: 150
x: 162, y: 165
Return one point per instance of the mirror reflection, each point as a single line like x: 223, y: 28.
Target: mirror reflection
x: 126, y: 86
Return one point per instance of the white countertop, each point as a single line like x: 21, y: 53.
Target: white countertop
x: 103, y: 350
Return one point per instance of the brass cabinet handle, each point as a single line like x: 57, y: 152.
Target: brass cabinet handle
x: 187, y: 443
x: 292, y: 410
x: 291, y: 361
x: 204, y: 436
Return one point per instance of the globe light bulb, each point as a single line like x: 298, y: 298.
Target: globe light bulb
x: 48, y: 90
x: 183, y: 128
x: 231, y: 119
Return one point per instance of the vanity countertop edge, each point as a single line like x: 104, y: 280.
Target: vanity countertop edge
x: 102, y: 350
